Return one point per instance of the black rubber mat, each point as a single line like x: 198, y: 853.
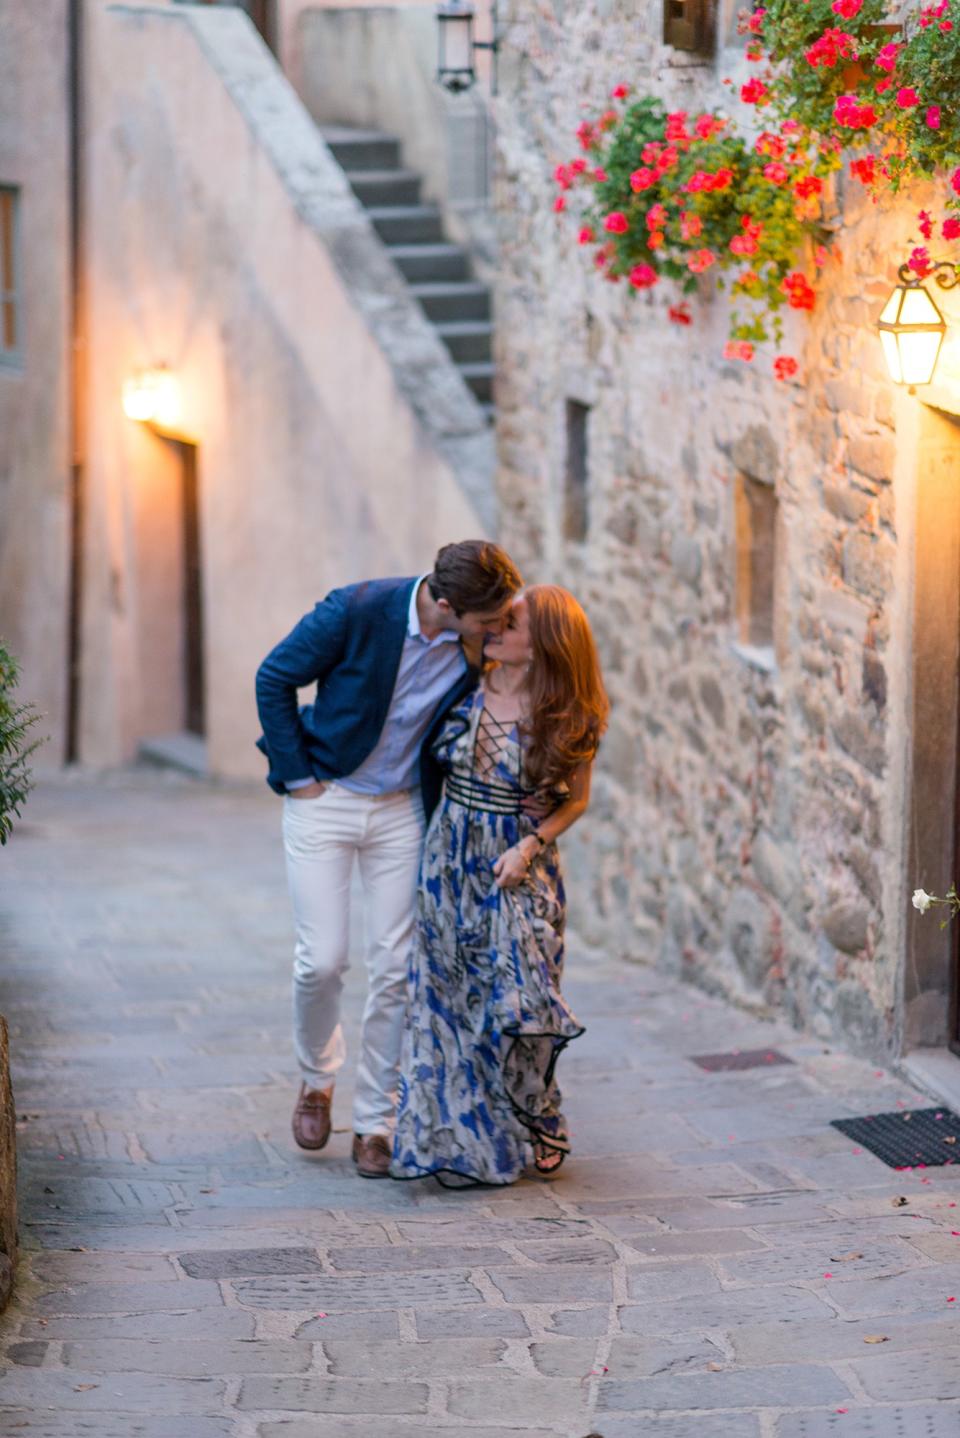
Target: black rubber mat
x: 909, y: 1138
x: 740, y: 1059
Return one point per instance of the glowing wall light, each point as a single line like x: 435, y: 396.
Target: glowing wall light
x: 912, y: 327
x: 152, y: 396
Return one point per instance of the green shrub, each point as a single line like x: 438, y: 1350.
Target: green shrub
x: 16, y: 720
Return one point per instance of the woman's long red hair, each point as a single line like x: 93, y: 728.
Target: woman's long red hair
x: 568, y: 703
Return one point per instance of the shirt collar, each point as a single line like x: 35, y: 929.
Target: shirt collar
x: 413, y: 620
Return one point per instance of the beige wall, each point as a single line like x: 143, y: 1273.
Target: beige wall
x: 221, y: 232
x: 34, y: 439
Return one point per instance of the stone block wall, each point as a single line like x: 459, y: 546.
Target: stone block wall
x: 749, y: 828
x: 8, y: 1172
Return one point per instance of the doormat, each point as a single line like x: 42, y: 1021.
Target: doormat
x: 910, y: 1138
x: 739, y: 1059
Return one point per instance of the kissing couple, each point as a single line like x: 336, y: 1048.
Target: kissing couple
x: 449, y: 744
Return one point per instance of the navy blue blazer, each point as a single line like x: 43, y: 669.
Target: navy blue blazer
x: 350, y: 646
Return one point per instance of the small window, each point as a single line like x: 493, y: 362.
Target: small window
x: 10, y: 321
x: 756, y: 538
x: 690, y: 25
x: 575, y: 472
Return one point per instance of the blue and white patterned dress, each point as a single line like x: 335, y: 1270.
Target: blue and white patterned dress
x: 486, y: 1020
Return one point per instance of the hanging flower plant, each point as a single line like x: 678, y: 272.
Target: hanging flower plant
x: 671, y: 197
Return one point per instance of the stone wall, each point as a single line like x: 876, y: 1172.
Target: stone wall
x: 753, y: 804
x: 8, y: 1172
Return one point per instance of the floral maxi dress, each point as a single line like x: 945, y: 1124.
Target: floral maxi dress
x: 486, y: 1021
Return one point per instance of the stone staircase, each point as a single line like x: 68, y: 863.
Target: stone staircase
x: 437, y: 271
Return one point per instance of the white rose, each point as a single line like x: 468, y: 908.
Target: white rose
x: 922, y: 900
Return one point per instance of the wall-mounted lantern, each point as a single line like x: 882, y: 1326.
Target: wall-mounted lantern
x: 152, y: 396
x: 912, y: 327
x: 456, y: 44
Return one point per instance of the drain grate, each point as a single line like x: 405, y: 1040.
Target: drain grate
x: 739, y: 1059
x: 910, y: 1138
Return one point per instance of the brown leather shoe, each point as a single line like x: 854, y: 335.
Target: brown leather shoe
x: 371, y: 1154
x: 311, y: 1117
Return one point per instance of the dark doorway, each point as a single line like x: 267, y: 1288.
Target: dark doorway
x: 263, y: 13
x: 193, y: 676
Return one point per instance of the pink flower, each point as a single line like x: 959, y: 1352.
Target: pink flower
x: 620, y: 92
x: 676, y: 127
x: 820, y: 256
x: 951, y: 228
x: 744, y: 245
x: 679, y: 315
x: 831, y: 47
x: 955, y: 181
x: 586, y: 236
x: 706, y: 126
x: 656, y: 217
x: 919, y: 262
x: 776, y: 173
x: 690, y: 226
x: 643, y: 179
x: 925, y: 223
x: 600, y: 176
x: 848, y: 112
x: 586, y: 134
x: 754, y: 92
x: 562, y: 176
x: 932, y: 117
x: 560, y: 203
x: 886, y: 59
x: 849, y: 9
x: 643, y: 277
x: 616, y: 223
x: 755, y: 22
x: 738, y: 350
x: 785, y: 367
x: 907, y: 97
x: 577, y: 166
x: 700, y: 260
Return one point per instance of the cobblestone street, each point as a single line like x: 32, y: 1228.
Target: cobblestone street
x: 714, y: 1262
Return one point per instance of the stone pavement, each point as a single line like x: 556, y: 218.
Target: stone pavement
x: 714, y: 1262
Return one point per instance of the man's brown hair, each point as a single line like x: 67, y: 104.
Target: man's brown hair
x: 474, y: 575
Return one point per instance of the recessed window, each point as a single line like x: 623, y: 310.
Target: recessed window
x: 576, y: 469
x: 756, y: 539
x: 690, y: 25
x: 10, y: 320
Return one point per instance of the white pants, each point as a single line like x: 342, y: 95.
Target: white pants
x: 322, y: 837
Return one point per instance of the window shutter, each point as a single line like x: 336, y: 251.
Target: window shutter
x: 690, y: 25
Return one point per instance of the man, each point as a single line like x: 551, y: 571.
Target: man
x: 389, y: 658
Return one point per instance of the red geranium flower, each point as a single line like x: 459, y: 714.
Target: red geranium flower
x: 560, y: 203
x: 785, y: 367
x: 679, y: 315
x: 849, y: 9
x: 770, y: 144
x: 616, y: 223
x: 776, y: 173
x: 831, y: 47
x: 808, y: 186
x: 754, y: 92
x: 586, y: 236
x: 642, y: 277
x: 919, y: 262
x: 955, y: 182
x: 755, y: 22
x: 951, y: 228
x: 800, y: 294
x: 864, y: 169
x: 700, y: 260
x: 620, y: 92
x: 643, y: 179
x: 925, y: 223
x: 738, y: 350
x: 886, y: 59
x: 932, y: 117
x: 907, y: 97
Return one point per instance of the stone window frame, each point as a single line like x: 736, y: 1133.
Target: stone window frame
x: 758, y: 623
x: 11, y: 300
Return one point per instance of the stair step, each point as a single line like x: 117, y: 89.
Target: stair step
x: 407, y: 224
x: 449, y: 301
x: 479, y: 377
x: 385, y: 187
x: 430, y: 262
x: 362, y: 149
x: 468, y: 341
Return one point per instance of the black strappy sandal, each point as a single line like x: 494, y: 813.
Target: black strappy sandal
x: 547, y: 1160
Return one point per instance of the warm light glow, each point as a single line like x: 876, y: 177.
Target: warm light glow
x: 911, y: 332
x: 153, y: 397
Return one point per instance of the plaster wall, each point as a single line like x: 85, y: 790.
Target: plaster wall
x: 754, y: 808
x: 375, y: 67
x: 335, y: 439
x: 34, y: 437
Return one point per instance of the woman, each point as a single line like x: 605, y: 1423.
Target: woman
x: 486, y: 1021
